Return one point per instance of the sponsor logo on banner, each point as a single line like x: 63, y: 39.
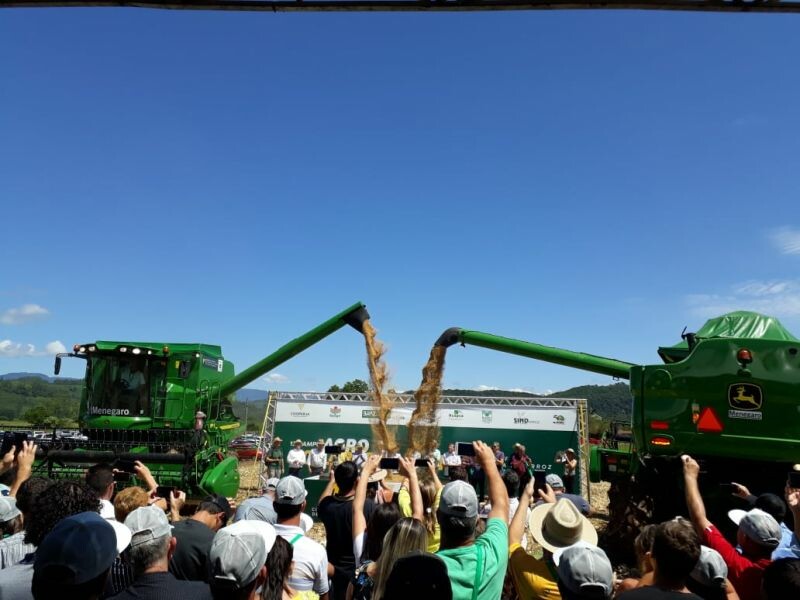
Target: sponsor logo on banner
x: 300, y: 413
x: 486, y: 416
x: 369, y: 413
x: 455, y: 414
x: 336, y: 412
x: 520, y: 418
x: 559, y: 419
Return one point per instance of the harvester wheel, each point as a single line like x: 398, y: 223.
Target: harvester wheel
x: 630, y: 507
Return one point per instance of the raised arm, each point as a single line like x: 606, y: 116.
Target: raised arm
x: 328, y: 488
x: 360, y: 498
x: 25, y: 460
x: 793, y: 500
x: 517, y: 528
x: 7, y: 462
x: 497, y: 489
x: 143, y: 473
x: 694, y: 501
x: 407, y: 469
x: 434, y: 474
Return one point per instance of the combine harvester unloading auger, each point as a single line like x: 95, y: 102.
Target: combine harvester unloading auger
x: 168, y: 405
x: 729, y: 395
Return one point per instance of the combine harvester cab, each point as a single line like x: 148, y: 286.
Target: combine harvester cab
x: 169, y: 406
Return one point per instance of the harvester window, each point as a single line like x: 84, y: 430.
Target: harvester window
x: 120, y: 386
x: 184, y: 369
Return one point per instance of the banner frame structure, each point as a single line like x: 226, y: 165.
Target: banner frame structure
x: 279, y: 416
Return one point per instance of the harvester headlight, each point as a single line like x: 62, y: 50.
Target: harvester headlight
x: 92, y: 348
x: 136, y: 351
x: 123, y: 349
x: 82, y: 349
x: 149, y: 352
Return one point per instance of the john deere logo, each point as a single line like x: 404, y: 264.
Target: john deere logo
x: 336, y: 412
x: 745, y: 396
x: 486, y: 416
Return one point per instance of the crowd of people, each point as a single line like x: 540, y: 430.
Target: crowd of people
x: 433, y: 538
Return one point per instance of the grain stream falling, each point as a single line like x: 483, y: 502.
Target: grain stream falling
x: 383, y: 436
x: 423, y: 430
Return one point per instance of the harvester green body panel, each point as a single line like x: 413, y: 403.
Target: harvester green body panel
x: 223, y: 479
x: 729, y: 392
x: 144, y: 399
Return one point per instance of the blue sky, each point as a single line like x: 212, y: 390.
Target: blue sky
x: 591, y: 180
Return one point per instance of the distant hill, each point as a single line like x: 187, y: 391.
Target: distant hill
x: 249, y: 394
x: 609, y: 401
x: 60, y: 396
x: 14, y: 376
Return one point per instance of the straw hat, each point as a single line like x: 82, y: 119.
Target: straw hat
x: 378, y: 475
x: 559, y: 525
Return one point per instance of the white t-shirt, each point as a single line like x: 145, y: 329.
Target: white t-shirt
x: 107, y: 510
x: 295, y: 458
x: 306, y: 522
x: 317, y: 459
x: 310, y: 565
x: 452, y: 460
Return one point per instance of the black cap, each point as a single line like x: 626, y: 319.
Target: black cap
x: 772, y: 505
x: 421, y: 576
x: 222, y: 503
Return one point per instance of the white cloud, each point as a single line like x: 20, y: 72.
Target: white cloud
x: 11, y: 349
x: 776, y: 298
x: 55, y: 347
x: 786, y: 239
x: 23, y: 314
x: 276, y: 378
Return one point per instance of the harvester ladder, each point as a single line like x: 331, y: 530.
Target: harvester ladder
x: 267, y: 432
x: 583, y: 449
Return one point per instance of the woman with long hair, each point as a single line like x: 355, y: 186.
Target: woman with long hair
x: 430, y: 490
x: 279, y: 567
x: 406, y: 536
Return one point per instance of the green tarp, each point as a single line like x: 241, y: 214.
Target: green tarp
x: 739, y: 324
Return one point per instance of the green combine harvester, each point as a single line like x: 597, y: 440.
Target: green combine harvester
x: 729, y: 395
x: 169, y: 406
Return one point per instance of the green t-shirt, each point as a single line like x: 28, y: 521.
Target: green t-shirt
x: 491, y: 549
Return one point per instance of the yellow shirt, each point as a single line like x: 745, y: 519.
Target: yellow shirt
x: 532, y: 577
x: 404, y: 501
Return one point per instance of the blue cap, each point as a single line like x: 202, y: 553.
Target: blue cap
x: 84, y: 545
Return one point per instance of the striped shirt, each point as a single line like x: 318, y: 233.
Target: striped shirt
x: 13, y: 549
